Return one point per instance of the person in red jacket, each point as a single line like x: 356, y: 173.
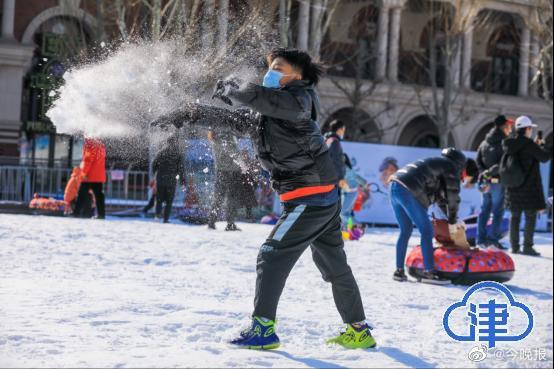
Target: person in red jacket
x: 93, y: 167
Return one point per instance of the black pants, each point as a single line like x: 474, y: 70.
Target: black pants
x: 529, y: 229
x: 83, y: 198
x: 165, y: 196
x: 226, y: 187
x: 150, y: 204
x: 299, y: 227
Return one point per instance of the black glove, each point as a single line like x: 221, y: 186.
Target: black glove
x: 176, y: 118
x: 165, y: 121
x: 222, y: 88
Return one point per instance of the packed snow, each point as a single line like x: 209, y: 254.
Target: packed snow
x: 135, y: 293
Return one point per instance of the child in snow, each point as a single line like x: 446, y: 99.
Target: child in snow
x: 93, y: 169
x: 413, y: 189
x: 72, y: 189
x: 283, y: 125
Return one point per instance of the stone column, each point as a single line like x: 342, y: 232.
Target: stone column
x: 283, y: 23
x: 394, y: 43
x: 535, y: 60
x: 8, y: 14
x: 207, y: 25
x: 222, y: 24
x: 456, y: 64
x: 523, y: 89
x: 382, y: 43
x: 467, y: 56
x: 303, y: 24
x: 14, y: 60
x: 316, y: 20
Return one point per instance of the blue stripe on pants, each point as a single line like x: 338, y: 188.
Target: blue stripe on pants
x: 289, y: 222
x: 409, y: 211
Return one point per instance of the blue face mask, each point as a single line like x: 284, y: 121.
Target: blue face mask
x: 272, y: 78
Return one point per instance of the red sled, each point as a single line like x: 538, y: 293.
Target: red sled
x: 464, y: 266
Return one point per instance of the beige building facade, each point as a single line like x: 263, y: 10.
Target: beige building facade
x: 493, y: 69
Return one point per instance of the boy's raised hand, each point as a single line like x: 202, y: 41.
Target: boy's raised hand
x: 222, y: 88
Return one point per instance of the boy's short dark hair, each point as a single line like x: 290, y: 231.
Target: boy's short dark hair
x: 310, y: 69
x: 335, y: 125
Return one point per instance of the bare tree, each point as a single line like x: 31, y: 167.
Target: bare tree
x: 350, y: 68
x: 321, y: 16
x: 541, y: 25
x: 441, y: 65
x: 356, y: 90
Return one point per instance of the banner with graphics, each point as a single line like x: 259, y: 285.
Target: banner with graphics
x: 377, y: 162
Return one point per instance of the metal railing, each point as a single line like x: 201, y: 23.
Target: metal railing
x: 122, y: 187
x: 19, y: 184
x: 125, y: 190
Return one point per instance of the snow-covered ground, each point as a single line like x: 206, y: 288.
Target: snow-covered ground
x: 133, y: 293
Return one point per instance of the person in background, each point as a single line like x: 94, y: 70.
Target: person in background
x: 333, y: 140
x: 416, y: 187
x: 527, y: 198
x: 228, y: 176
x: 488, y: 158
x: 348, y: 198
x: 248, y: 179
x: 93, y: 168
x: 388, y: 167
x: 72, y: 190
x: 168, y: 167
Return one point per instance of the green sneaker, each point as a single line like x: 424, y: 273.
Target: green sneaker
x: 354, y: 338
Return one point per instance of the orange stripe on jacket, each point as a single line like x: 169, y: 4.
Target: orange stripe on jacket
x: 306, y: 191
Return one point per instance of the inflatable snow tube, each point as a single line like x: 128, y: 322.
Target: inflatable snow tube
x: 471, y: 228
x: 46, y: 206
x: 466, y: 266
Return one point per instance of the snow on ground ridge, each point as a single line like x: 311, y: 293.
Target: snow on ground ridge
x: 128, y: 293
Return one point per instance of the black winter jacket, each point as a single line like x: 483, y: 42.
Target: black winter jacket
x: 282, y: 124
x: 530, y: 195
x: 337, y: 155
x: 167, y: 165
x: 434, y: 180
x: 490, y: 152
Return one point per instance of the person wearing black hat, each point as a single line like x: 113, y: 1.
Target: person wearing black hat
x: 488, y: 158
x: 413, y: 189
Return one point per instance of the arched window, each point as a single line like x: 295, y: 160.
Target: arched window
x: 363, y: 31
x: 434, y: 41
x: 503, y: 48
x: 357, y: 57
x: 496, y: 70
x: 422, y: 132
x: 360, y: 127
